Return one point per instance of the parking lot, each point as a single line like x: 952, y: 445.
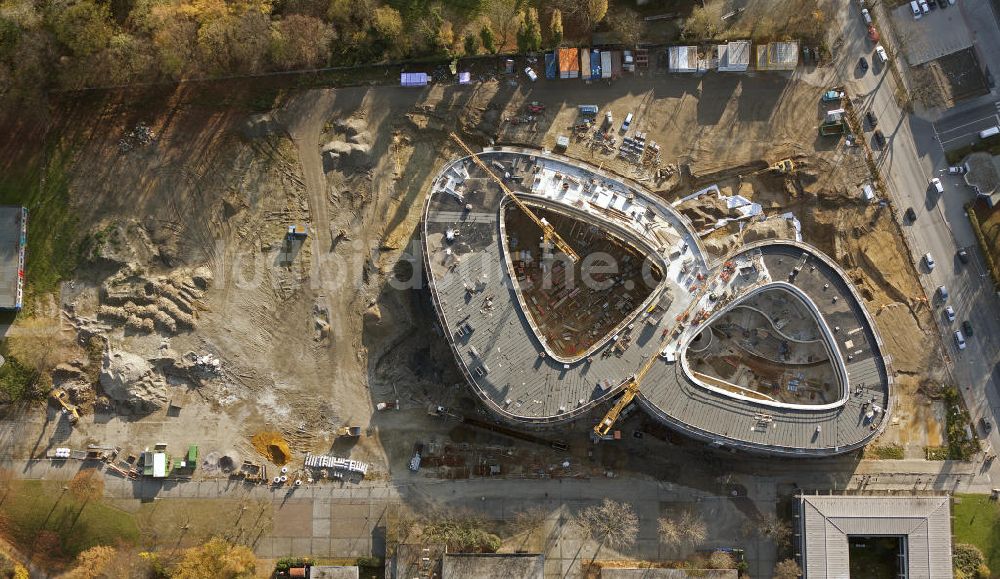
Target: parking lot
x: 939, y: 33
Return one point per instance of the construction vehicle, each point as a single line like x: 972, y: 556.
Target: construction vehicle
x: 548, y: 232
x: 784, y: 166
x: 61, y: 397
x: 835, y: 123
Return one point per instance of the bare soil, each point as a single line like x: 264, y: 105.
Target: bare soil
x: 312, y: 334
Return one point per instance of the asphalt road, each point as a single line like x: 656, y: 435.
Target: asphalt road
x: 962, y: 128
x: 912, y: 157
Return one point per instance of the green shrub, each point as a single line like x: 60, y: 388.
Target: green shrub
x: 969, y: 561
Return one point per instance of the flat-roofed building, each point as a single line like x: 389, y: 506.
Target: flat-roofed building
x: 831, y: 525
x: 683, y: 58
x: 13, y: 242
x: 778, y: 55
x: 982, y: 173
x: 734, y: 56
x: 492, y: 565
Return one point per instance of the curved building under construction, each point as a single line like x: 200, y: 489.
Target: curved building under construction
x: 769, y: 350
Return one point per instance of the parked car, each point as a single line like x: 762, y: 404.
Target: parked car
x: 863, y: 64
x: 957, y: 170
x: 936, y: 184
x: 627, y: 123
x: 910, y: 214
x: 873, y: 34
x: 929, y: 260
x: 915, y: 8
x: 531, y: 74
x: 866, y: 15
x: 959, y: 340
x: 879, y: 139
x: 949, y: 312
x: 535, y: 107
x: 924, y: 7
x: 942, y: 293
x: 832, y: 95
x: 872, y: 119
x: 882, y: 56
x: 986, y: 424
x: 963, y: 255
x: 967, y: 328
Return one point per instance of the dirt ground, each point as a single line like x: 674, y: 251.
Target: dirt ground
x: 312, y: 334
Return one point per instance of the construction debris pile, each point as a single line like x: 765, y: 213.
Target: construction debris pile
x: 131, y: 380
x: 143, y: 305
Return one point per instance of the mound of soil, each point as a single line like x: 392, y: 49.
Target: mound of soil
x: 273, y: 447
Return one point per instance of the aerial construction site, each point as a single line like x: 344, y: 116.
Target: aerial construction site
x: 473, y: 319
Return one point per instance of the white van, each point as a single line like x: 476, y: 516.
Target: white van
x: 959, y: 340
x: 989, y: 132
x: 915, y: 8
x: 882, y: 56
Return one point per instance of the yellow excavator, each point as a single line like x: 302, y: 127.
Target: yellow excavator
x: 61, y: 397
x: 548, y: 232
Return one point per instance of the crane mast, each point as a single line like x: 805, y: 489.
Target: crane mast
x: 635, y: 380
x: 548, y: 232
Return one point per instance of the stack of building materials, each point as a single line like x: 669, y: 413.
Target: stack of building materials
x: 325, y: 461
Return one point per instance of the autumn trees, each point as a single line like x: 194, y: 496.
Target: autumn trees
x: 70, y: 44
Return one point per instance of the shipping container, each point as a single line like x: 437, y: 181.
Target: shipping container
x: 616, y: 63
x: 551, y: 71
x: 595, y: 64
x: 569, y: 66
x: 413, y: 79
x: 585, y: 63
x: 606, y: 64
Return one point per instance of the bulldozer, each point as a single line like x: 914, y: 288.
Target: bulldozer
x: 61, y: 397
x: 351, y: 431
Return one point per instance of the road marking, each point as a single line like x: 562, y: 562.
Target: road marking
x: 989, y: 117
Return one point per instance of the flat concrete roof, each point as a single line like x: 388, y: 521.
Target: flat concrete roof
x: 492, y: 566
x: 499, y: 350
x: 983, y: 172
x: 644, y: 573
x: 10, y: 256
x: 333, y: 572
x: 828, y: 522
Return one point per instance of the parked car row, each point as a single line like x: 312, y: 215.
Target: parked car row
x: 921, y: 7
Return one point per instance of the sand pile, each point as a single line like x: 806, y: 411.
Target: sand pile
x: 272, y: 446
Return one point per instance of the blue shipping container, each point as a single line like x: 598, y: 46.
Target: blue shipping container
x: 550, y: 66
x: 595, y: 64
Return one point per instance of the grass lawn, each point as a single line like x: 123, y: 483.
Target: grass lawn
x: 40, y: 518
x: 976, y: 520
x: 52, y: 250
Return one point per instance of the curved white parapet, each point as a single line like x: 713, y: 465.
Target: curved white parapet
x: 828, y: 338
x: 500, y: 352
